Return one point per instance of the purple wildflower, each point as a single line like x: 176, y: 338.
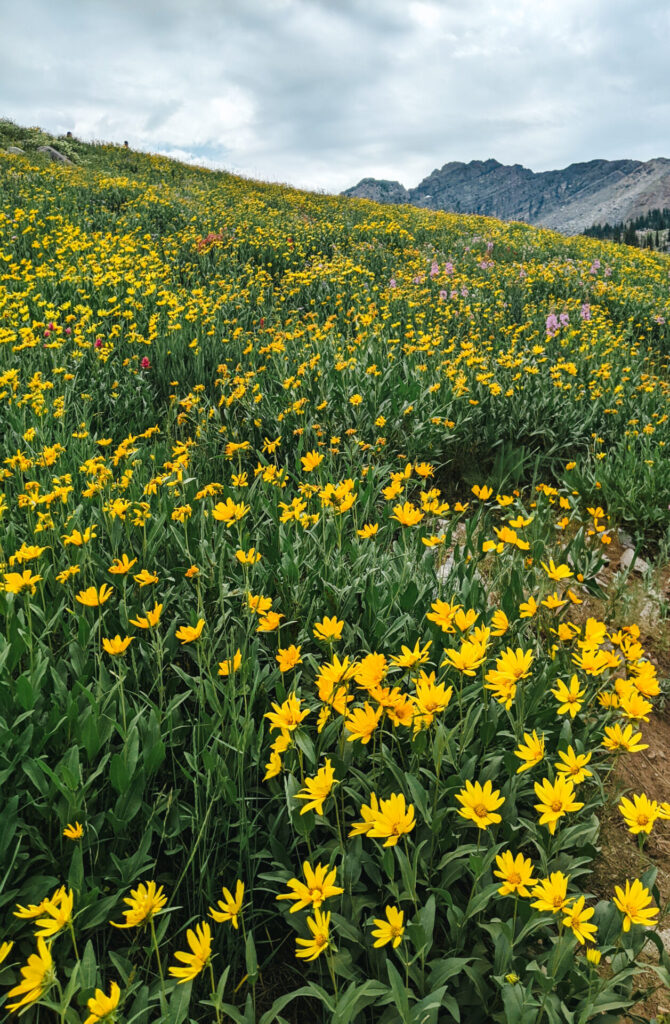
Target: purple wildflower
x: 552, y: 325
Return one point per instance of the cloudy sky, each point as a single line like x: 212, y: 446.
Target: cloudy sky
x: 320, y: 93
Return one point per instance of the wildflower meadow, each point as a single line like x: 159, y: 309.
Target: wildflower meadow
x: 303, y: 712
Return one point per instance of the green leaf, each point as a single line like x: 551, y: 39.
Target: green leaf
x: 179, y: 1003
x: 426, y: 1011
x: 250, y: 958
x: 442, y: 970
x: 520, y: 1006
x: 307, y: 990
x: 352, y: 1001
x: 75, y: 876
x: 89, y: 967
x: 481, y: 900
x: 400, y: 997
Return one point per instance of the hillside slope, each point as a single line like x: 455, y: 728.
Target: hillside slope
x: 304, y: 506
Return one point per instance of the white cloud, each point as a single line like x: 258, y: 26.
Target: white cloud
x: 323, y: 92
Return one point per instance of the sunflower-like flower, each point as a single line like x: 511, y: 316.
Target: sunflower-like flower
x: 73, y: 832
x: 319, y: 926
x: 200, y: 943
x: 551, y: 894
x: 317, y: 887
x: 468, y: 658
x: 230, y: 906
x: 633, y: 902
x: 407, y: 514
x: 617, y: 739
x: 116, y: 645
x: 362, y: 722
x: 411, y: 656
x: 511, y: 667
x: 287, y: 716
x: 640, y: 813
x: 38, y: 975
x: 388, y: 819
x: 101, y: 1006
x: 149, y: 620
x: 187, y: 634
x: 15, y: 582
x: 93, y: 598
x: 573, y: 765
x: 556, y: 799
x: 530, y: 752
x: 318, y: 788
x: 144, y: 903
x: 329, y: 629
x: 229, y: 512
x: 569, y: 697
x: 58, y: 915
x: 480, y: 803
x: 389, y: 930
x: 577, y: 918
x: 516, y: 873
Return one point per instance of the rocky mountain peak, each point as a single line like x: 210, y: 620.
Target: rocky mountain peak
x: 567, y: 200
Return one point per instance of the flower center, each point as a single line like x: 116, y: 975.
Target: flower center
x: 319, y: 939
x: 515, y: 878
x: 316, y: 894
x: 556, y: 806
x: 643, y: 819
x: 558, y: 901
x: 481, y: 811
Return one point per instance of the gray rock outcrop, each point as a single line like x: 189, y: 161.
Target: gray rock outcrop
x: 54, y: 155
x: 379, y: 191
x: 568, y: 200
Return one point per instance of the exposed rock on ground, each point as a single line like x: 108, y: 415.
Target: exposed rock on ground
x: 53, y: 154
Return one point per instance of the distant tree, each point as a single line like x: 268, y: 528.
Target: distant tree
x: 651, y: 223
x: 630, y: 235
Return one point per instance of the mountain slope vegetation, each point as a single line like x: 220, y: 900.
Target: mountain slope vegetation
x: 302, y: 502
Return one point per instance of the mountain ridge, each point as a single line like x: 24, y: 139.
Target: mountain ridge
x: 568, y: 200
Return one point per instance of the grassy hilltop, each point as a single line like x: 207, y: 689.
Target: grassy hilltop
x: 303, y: 503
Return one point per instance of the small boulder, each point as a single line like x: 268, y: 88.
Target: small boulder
x: 53, y: 154
x: 629, y: 560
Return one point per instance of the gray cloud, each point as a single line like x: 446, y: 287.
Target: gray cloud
x: 320, y: 93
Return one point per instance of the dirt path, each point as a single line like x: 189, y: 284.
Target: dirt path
x: 641, y: 598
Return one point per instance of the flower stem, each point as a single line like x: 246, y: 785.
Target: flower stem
x: 74, y: 941
x: 214, y: 995
x: 158, y: 956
